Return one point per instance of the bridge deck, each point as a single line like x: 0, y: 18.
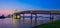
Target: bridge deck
x: 38, y: 12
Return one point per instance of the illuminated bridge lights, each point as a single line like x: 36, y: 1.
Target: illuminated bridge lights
x: 17, y: 17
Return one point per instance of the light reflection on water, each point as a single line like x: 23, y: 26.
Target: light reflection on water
x: 9, y: 23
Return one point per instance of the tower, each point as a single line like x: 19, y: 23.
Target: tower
x: 16, y: 16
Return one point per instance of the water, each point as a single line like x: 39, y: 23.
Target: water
x: 9, y: 23
x: 6, y: 23
x: 15, y: 23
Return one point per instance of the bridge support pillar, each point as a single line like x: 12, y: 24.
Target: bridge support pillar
x: 31, y: 19
x: 51, y: 17
x: 23, y: 19
x: 20, y: 17
x: 35, y: 19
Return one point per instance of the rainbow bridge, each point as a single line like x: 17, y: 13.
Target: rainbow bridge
x: 35, y: 12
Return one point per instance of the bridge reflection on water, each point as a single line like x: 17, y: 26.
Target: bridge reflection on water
x: 16, y: 23
x: 9, y: 23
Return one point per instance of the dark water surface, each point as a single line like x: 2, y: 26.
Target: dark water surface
x: 12, y: 23
x: 16, y: 23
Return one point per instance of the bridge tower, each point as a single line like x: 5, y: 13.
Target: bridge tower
x: 16, y: 18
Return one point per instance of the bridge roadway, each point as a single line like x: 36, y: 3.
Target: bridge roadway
x: 35, y: 12
x: 38, y: 12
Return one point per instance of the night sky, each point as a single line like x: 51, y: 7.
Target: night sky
x: 7, y: 5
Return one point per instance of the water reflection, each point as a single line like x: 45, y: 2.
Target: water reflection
x: 6, y: 23
x: 16, y: 23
